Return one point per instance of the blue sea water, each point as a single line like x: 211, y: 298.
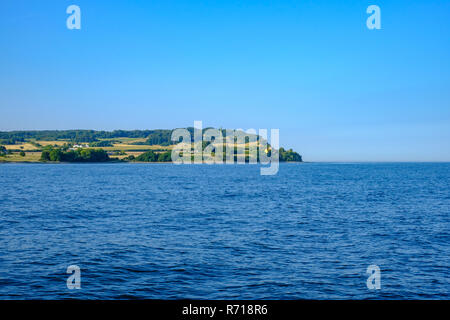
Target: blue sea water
x: 161, y: 231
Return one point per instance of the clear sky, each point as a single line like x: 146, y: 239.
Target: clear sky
x: 336, y: 90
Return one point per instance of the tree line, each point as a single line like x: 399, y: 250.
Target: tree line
x: 153, y: 137
x: 3, y: 151
x: 151, y: 156
x: 79, y: 155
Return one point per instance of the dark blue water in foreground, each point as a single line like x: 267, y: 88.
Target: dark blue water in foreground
x: 224, y: 232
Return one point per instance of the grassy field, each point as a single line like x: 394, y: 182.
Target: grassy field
x: 127, y: 140
x: 29, y: 146
x: 130, y: 147
x: 51, y: 143
x: 24, y: 146
x: 16, y: 157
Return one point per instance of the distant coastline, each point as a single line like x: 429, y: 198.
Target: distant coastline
x: 133, y: 146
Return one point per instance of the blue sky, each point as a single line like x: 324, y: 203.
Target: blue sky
x: 336, y: 90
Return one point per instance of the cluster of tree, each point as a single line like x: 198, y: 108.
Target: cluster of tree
x: 2, y: 151
x: 34, y: 143
x: 153, y: 137
x: 163, y: 137
x: 79, y: 155
x: 123, y: 134
x: 11, y: 140
x: 151, y: 156
x: 47, y: 135
x: 103, y: 143
x: 283, y: 155
x: 73, y: 135
x: 160, y: 137
x: 289, y: 155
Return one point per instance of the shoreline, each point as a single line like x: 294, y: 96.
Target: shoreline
x: 170, y: 162
x: 136, y: 162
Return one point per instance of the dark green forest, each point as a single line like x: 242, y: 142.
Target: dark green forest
x: 79, y: 155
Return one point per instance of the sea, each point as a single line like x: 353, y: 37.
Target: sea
x: 164, y: 231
